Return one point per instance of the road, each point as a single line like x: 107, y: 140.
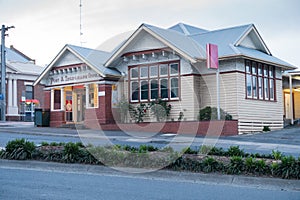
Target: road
x: 35, y: 180
x: 286, y: 141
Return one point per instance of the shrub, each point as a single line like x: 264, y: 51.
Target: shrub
x: 235, y: 151
x: 261, y: 167
x: 287, y: 168
x: 236, y: 165
x: 205, y: 149
x: 188, y: 150
x: 217, y: 151
x: 250, y: 165
x: 137, y: 113
x: 209, y: 164
x: 71, y: 152
x: 19, y: 149
x: 211, y: 113
x: 266, y: 128
x: 277, y: 155
x: 160, y: 109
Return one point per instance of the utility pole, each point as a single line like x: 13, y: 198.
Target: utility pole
x: 3, y: 73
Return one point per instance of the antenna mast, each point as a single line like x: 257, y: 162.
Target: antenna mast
x: 80, y: 19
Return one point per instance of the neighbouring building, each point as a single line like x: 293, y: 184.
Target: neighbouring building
x: 291, y: 93
x: 21, y: 96
x: 83, y: 84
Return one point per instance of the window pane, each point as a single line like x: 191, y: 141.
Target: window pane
x: 272, y: 88
x: 134, y: 72
x: 144, y: 90
x: 57, y: 99
x: 266, y: 69
x: 248, y: 67
x: 260, y: 69
x: 174, y: 87
x: 254, y: 67
x: 271, y: 72
x: 254, y: 88
x: 164, y: 88
x: 260, y: 88
x: 163, y: 69
x: 144, y: 72
x: 249, y: 85
x: 266, y: 88
x: 93, y: 92
x: 174, y: 68
x: 29, y: 92
x: 154, y: 71
x: 134, y: 91
x: 154, y: 89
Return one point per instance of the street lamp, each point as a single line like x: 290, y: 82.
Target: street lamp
x: 3, y: 73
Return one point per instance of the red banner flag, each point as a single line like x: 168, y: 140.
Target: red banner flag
x: 212, y: 56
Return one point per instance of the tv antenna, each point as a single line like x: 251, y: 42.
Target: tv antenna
x: 80, y: 21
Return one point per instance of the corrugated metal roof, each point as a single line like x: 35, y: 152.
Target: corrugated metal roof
x: 195, y: 45
x: 224, y: 38
x: 11, y: 55
x: 95, y: 57
x: 187, y: 29
x: 25, y: 68
x: 179, y: 40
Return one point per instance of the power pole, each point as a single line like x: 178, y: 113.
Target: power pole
x: 3, y: 73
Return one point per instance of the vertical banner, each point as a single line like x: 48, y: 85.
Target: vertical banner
x: 213, y: 63
x: 212, y: 56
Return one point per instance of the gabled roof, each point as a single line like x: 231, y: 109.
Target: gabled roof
x: 190, y: 42
x: 187, y: 29
x: 181, y: 44
x: 93, y: 58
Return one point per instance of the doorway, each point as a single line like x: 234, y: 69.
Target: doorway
x: 287, y: 107
x: 79, y: 105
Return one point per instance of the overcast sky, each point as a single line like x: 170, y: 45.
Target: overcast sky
x: 43, y: 27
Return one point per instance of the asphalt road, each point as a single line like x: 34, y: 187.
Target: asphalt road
x: 61, y: 181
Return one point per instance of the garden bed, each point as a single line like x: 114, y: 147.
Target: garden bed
x: 206, y: 159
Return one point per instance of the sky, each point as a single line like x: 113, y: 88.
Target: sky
x: 43, y: 27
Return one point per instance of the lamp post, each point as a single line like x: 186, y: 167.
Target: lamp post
x: 3, y: 73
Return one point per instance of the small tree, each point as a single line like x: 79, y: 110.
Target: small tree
x: 160, y: 109
x: 211, y: 113
x: 138, y: 112
x: 124, y: 108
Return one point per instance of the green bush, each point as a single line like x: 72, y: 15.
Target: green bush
x: 236, y: 165
x: 19, y: 149
x: 288, y: 168
x: 188, y: 150
x: 211, y: 113
x: 235, y: 151
x: 217, y: 151
x: 71, y: 152
x: 205, y: 149
x: 277, y: 155
x: 160, y: 109
x: 266, y: 128
x: 209, y: 164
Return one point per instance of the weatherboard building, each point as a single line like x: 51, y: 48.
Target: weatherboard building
x: 85, y: 85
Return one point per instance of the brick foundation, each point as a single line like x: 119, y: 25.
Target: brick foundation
x: 211, y: 128
x: 57, y: 118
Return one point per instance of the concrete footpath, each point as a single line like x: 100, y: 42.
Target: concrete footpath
x: 285, y: 140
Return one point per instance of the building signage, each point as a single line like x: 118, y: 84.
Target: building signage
x: 101, y: 93
x: 66, y: 78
